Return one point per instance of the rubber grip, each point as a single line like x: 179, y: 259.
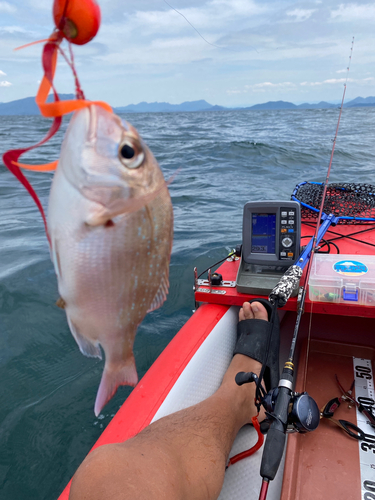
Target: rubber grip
x: 273, y: 452
x: 276, y: 436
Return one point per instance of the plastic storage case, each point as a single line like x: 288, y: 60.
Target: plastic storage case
x: 348, y: 279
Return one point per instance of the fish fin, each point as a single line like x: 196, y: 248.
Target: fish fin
x: 112, y: 379
x: 85, y: 346
x: 97, y: 215
x: 55, y: 257
x: 161, y: 294
x: 60, y: 302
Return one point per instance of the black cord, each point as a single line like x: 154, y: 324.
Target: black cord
x: 214, y: 265
x: 349, y: 236
x: 327, y: 243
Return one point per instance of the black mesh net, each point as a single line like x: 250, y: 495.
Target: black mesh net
x: 342, y: 200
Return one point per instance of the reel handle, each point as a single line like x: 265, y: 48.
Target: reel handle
x: 245, y: 377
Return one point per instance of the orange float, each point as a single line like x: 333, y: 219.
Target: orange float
x: 78, y: 20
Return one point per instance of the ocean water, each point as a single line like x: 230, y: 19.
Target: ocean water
x: 223, y: 160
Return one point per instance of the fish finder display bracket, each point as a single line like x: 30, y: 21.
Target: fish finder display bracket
x: 271, y: 236
x: 271, y: 232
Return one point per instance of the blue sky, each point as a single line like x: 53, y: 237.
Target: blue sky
x: 145, y: 51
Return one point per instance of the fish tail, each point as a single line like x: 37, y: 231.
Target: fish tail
x: 125, y: 374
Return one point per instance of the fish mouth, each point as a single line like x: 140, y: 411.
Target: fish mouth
x: 115, y: 125
x: 92, y: 118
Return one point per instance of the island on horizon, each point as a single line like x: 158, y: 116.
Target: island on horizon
x: 27, y: 106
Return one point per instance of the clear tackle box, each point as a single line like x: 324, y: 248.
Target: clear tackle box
x: 348, y: 279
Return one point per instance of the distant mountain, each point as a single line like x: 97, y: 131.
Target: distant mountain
x: 319, y: 105
x: 165, y: 107
x: 273, y: 105
x: 361, y: 101
x: 357, y: 102
x: 28, y: 106
x: 362, y: 105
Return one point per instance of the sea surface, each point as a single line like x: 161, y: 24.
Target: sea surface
x: 223, y: 159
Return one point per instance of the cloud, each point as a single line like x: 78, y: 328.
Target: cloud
x: 14, y: 29
x: 174, y: 43
x: 241, y: 7
x: 4, y: 83
x: 6, y: 7
x: 2, y: 73
x: 354, y: 12
x: 270, y: 85
x: 300, y: 14
x: 363, y: 81
x: 263, y: 87
x: 214, y: 18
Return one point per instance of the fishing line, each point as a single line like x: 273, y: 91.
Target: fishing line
x: 315, y: 242
x: 71, y: 64
x: 209, y: 43
x: 187, y: 20
x: 307, y: 348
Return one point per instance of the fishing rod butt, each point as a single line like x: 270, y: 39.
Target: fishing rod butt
x: 273, y: 450
x: 276, y: 436
x: 264, y: 489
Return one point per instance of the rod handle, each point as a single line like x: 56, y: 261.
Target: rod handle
x: 276, y: 436
x: 284, y: 288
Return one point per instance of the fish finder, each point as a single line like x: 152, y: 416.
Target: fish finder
x: 271, y: 235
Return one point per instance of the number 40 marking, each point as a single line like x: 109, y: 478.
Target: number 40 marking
x: 363, y: 372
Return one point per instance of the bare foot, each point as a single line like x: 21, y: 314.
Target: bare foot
x: 256, y: 310
x: 242, y: 363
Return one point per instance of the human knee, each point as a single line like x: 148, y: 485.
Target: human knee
x: 95, y: 473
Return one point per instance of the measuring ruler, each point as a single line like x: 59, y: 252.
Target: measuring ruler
x: 365, y: 394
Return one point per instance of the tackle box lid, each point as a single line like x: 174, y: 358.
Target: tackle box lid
x: 349, y: 268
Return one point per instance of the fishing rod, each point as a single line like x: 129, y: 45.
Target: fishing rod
x: 276, y: 436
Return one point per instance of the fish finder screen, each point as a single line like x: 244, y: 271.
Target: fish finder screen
x: 263, y: 233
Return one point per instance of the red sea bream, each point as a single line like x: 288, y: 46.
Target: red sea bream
x: 110, y: 222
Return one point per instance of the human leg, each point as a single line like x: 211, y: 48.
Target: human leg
x: 181, y: 456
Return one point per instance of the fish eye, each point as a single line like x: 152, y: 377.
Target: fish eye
x: 131, y: 154
x: 127, y: 152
